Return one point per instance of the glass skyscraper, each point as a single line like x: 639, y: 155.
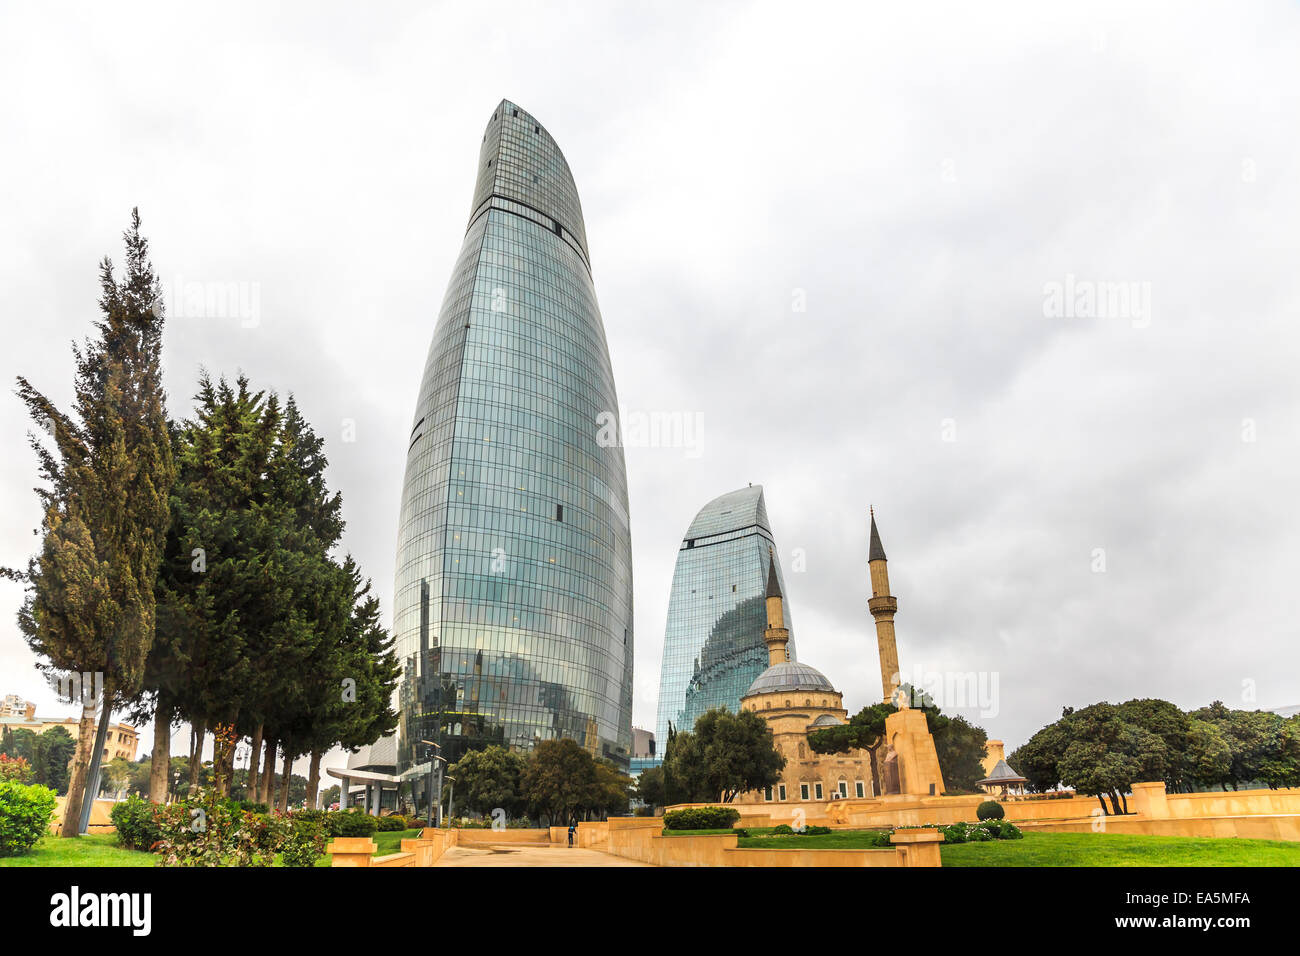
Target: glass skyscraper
x: 513, y: 602
x: 713, y: 643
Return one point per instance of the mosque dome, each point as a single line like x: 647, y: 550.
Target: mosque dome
x: 826, y: 720
x: 789, y: 675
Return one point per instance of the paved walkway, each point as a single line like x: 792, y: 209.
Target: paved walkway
x: 541, y: 854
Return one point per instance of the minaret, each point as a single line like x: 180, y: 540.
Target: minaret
x: 883, y: 605
x: 777, y: 634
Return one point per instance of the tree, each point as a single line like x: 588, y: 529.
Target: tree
x: 1171, y: 725
x: 117, y: 774
x: 1038, y: 759
x: 725, y: 755
x: 558, y: 781
x: 1106, y: 755
x: 1254, y: 740
x: 961, y: 748
x: 91, y: 605
x: 49, y: 754
x: 490, y: 778
x: 1090, y: 767
x: 864, y: 731
x: 138, y: 780
x: 1282, y: 769
x: 353, y: 672
x: 216, y: 584
x: 56, y: 747
x: 1208, y: 758
x: 308, y: 624
x: 650, y: 787
x: 610, y: 791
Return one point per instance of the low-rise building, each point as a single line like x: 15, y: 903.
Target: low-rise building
x: 122, y: 740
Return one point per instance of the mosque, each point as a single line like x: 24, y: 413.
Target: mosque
x: 796, y: 699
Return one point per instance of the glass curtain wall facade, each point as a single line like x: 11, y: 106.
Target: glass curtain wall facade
x: 713, y: 643
x: 513, y: 599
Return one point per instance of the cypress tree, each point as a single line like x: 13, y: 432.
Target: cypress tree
x: 90, y: 604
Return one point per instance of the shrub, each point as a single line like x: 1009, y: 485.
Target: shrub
x: 782, y: 829
x: 203, y: 830
x: 990, y: 810
x: 136, y: 823
x: 25, y: 813
x: 702, y: 818
x: 391, y: 824
x: 1002, y: 829
x: 251, y: 807
x: 350, y: 823
x: 305, y: 842
x: 741, y: 832
x: 15, y: 769
x: 816, y: 831
x: 954, y: 833
x: 977, y: 832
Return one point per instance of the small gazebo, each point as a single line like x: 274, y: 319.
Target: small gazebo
x: 1003, y: 778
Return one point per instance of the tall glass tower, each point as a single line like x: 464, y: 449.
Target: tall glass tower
x: 713, y: 644
x: 513, y: 603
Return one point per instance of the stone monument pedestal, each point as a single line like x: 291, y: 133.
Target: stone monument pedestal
x: 918, y: 762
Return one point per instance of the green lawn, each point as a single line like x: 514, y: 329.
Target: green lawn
x: 94, y: 849
x: 764, y: 838
x: 835, y: 840
x: 1055, y: 849
x: 1036, y: 849
x: 1121, y: 849
x: 392, y: 842
x: 102, y: 850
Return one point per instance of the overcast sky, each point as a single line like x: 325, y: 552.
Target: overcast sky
x: 857, y: 241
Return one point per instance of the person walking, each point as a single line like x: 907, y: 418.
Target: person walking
x: 573, y: 828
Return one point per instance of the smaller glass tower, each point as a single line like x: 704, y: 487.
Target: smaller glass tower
x: 713, y: 643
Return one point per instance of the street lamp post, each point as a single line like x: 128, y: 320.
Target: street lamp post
x: 242, y: 751
x: 435, y: 782
x: 451, y: 799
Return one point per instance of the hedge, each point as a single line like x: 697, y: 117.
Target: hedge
x: 136, y: 821
x: 701, y: 818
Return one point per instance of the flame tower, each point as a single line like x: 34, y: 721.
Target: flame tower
x: 513, y: 599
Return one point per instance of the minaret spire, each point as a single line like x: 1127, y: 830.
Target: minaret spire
x: 883, y: 606
x: 777, y: 635
x: 877, y: 549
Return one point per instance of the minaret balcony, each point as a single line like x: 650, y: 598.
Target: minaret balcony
x: 879, y: 605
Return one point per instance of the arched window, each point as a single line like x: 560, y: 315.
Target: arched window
x: 802, y: 751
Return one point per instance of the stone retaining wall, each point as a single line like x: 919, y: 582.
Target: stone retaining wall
x: 641, y: 839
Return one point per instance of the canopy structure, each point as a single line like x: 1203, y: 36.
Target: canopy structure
x: 1002, y: 777
x: 375, y: 784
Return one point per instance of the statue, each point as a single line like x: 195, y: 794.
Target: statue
x: 889, y: 775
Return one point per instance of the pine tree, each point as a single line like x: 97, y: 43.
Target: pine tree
x: 211, y: 585
x: 348, y: 699
x: 91, y: 606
